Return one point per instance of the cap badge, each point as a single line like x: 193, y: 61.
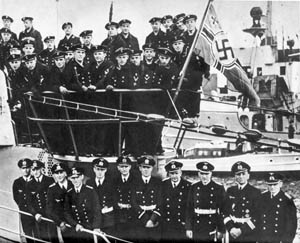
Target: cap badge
x: 173, y: 166
x: 240, y: 167
x: 124, y: 160
x: 272, y: 178
x: 101, y: 163
x: 205, y: 167
x: 147, y: 161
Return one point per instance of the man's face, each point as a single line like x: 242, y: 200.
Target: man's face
x: 274, y: 188
x: 205, y: 177
x: 50, y: 44
x: 190, y: 24
x: 136, y: 60
x: 178, y: 46
x: 125, y: 28
x: 60, y: 176
x: 5, y: 36
x: 79, y: 55
x: 27, y: 24
x: 180, y: 25
x: 122, y: 59
x: 124, y: 169
x: 36, y: 172
x: 87, y: 40
x: 99, y: 172
x: 146, y: 170
x: 242, y: 177
x: 175, y: 175
x: 112, y: 31
x: 68, y: 30
x: 31, y: 64
x: 15, y: 64
x: 168, y: 23
x: 149, y: 54
x: 60, y: 62
x: 164, y: 60
x: 69, y: 56
x: 28, y: 49
x: 155, y: 26
x: 99, y: 56
x: 25, y: 171
x: 6, y: 23
x: 77, y: 180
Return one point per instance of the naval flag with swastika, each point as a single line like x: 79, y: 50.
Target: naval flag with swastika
x: 213, y: 45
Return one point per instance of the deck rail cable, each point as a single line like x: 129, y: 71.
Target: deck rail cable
x: 127, y: 115
x: 130, y: 117
x: 102, y: 234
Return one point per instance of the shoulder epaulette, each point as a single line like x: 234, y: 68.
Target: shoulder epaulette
x: 165, y: 179
x: 265, y: 191
x: 90, y: 187
x: 218, y: 183
x: 52, y: 185
x: 288, y: 195
x: 70, y: 189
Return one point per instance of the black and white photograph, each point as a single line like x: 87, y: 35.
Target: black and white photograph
x: 147, y: 121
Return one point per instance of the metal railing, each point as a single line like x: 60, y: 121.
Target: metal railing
x: 101, y: 234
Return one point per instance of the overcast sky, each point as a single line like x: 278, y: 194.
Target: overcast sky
x: 93, y: 14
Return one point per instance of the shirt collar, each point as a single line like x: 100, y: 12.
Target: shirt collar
x: 125, y: 177
x: 146, y: 178
x: 78, y: 189
x: 241, y: 187
x: 64, y: 184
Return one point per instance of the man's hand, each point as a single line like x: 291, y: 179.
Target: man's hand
x: 38, y: 217
x: 189, y: 234
x: 63, y: 90
x: 63, y: 226
x: 92, y: 87
x: 78, y: 228
x: 109, y: 87
x: 84, y: 88
x: 97, y: 230
x: 235, y: 232
x: 149, y: 224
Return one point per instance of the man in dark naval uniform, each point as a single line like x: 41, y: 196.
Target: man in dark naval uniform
x: 146, y: 202
x: 125, y: 35
x: 87, y: 37
x: 191, y: 30
x: 204, y: 221
x: 278, y: 213
x: 37, y: 198
x: 45, y: 56
x: 82, y: 208
x: 103, y: 185
x: 149, y: 56
x: 188, y: 98
x: 174, y: 201
x: 157, y: 37
x: 31, y: 32
x: 7, y: 21
x: 113, y: 40
x: 69, y: 39
x: 56, y: 199
x: 242, y: 207
x: 124, y: 185
x: 20, y: 194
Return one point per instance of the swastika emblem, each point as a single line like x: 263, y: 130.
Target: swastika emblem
x: 222, y: 49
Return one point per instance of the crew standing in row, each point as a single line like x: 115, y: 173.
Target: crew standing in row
x: 145, y: 209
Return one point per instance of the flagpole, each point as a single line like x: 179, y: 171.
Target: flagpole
x: 184, y: 68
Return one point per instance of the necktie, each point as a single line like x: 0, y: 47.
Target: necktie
x: 124, y: 180
x: 174, y: 185
x: 146, y: 181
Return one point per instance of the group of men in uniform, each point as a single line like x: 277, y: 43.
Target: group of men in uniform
x: 118, y: 63
x: 136, y: 206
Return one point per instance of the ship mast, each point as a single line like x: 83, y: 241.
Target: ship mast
x: 268, y: 32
